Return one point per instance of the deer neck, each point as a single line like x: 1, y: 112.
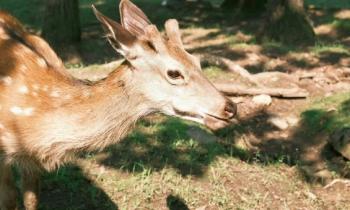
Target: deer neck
x: 122, y: 104
x: 103, y: 117
x: 114, y: 107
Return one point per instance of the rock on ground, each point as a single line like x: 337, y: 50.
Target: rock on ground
x: 263, y: 99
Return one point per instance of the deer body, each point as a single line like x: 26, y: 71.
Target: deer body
x: 50, y: 122
x: 47, y: 116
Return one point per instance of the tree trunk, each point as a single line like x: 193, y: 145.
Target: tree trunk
x: 245, y: 6
x: 61, y: 23
x: 230, y: 4
x: 287, y: 22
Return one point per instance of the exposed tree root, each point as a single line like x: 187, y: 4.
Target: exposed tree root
x: 346, y: 182
x: 257, y: 88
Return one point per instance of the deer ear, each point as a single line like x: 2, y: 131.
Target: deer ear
x: 120, y: 38
x: 132, y: 18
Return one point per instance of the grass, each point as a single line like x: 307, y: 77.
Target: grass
x: 328, y: 114
x: 214, y: 72
x: 320, y: 48
x: 326, y: 4
x: 278, y: 47
x: 160, y: 164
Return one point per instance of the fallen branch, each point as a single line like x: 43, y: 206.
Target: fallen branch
x: 231, y: 66
x: 346, y: 182
x: 258, y: 88
x: 234, y: 89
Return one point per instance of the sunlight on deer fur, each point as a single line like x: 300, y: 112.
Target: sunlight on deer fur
x: 22, y: 68
x: 7, y: 80
x: 41, y: 62
x: 55, y: 94
x: 4, y: 36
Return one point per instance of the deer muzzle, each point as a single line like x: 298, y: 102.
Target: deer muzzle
x: 223, y: 119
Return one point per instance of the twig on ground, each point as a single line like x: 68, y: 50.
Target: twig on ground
x: 346, y: 182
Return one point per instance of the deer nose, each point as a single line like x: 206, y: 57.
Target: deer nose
x: 230, y: 109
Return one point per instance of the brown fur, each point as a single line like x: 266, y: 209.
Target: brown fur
x: 37, y: 98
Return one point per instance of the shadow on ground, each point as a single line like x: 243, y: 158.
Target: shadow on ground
x: 69, y: 189
x: 176, y: 203
x: 171, y: 146
x: 161, y: 142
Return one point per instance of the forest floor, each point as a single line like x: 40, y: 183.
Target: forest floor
x: 276, y: 157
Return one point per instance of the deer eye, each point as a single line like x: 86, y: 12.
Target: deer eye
x: 175, y: 74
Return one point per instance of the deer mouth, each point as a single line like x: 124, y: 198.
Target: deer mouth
x: 190, y: 116
x: 213, y: 122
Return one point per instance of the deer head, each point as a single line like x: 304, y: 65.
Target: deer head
x: 163, y: 71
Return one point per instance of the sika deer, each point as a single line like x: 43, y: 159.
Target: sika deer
x: 47, y: 116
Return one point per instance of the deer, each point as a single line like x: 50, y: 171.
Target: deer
x: 47, y: 116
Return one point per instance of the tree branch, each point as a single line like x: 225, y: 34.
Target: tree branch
x: 234, y: 89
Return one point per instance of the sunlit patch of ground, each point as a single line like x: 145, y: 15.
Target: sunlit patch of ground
x: 343, y: 14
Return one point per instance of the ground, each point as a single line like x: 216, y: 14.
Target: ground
x: 275, y: 157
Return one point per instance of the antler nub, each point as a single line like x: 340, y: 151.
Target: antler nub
x: 173, y: 32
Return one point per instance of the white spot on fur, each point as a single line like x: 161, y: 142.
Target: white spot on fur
x: 16, y: 110
x: 22, y: 68
x: 23, y: 89
x: 41, y: 62
x: 2, y: 127
x: 28, y: 111
x: 22, y: 111
x: 4, y: 36
x: 55, y: 94
x: 7, y: 80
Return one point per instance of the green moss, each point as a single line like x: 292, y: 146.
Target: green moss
x: 328, y: 114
